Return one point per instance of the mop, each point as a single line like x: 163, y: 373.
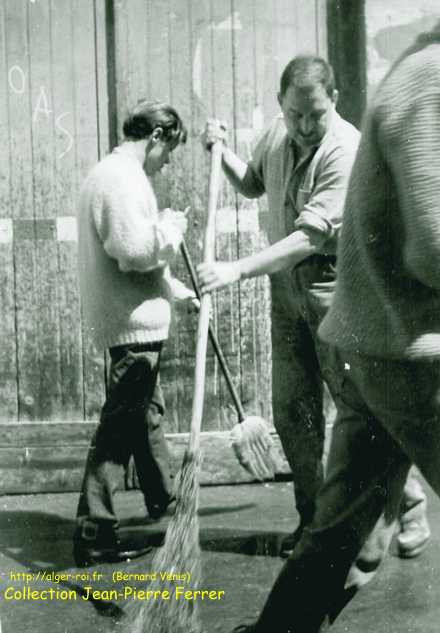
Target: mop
x: 181, y: 550
x: 250, y: 438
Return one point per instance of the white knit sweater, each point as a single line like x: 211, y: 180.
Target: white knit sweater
x: 125, y: 246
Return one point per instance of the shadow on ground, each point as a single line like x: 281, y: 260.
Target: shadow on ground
x: 33, y: 541
x: 240, y: 529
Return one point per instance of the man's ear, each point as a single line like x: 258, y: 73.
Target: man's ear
x: 335, y: 97
x: 157, y: 134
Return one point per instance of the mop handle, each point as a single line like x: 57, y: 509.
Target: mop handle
x: 205, y: 303
x: 213, y: 337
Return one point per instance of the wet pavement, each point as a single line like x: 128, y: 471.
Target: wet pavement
x: 241, y: 528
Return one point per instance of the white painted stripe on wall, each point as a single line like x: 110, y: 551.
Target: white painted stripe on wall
x: 6, y: 230
x: 67, y: 229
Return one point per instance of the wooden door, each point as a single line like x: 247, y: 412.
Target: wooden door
x: 221, y: 59
x: 70, y: 69
x: 53, y: 128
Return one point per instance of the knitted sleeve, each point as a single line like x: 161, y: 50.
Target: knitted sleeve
x: 410, y: 139
x: 131, y: 230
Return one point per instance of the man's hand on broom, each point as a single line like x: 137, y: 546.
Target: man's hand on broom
x: 215, y: 131
x: 188, y: 300
x: 217, y: 275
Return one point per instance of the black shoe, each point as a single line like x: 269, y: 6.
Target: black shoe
x: 157, y: 510
x: 288, y: 544
x: 86, y: 554
x: 94, y: 543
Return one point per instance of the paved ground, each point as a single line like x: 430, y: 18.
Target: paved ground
x: 241, y: 528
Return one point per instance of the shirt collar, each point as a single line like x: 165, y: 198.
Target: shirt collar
x: 296, y: 150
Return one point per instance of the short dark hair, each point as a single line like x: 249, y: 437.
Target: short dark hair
x: 307, y: 70
x: 147, y: 116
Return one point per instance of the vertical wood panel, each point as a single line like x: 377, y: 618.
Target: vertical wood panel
x: 47, y: 389
x: 254, y: 300
x: 66, y: 183
x: 105, y: 74
x: 86, y: 155
x: 131, y: 46
x: 20, y: 125
x: 266, y: 107
x: 299, y: 19
x: 224, y: 27
x: 8, y: 353
x: 194, y: 191
x: 172, y: 44
x: 321, y: 28
x: 158, y: 57
x: 267, y: 51
x: 50, y: 105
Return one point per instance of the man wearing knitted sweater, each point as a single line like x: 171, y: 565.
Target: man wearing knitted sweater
x: 125, y: 247
x: 385, y: 322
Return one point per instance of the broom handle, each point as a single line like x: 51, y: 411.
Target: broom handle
x: 205, y: 302
x: 213, y: 337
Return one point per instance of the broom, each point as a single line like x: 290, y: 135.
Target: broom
x: 181, y: 550
x: 250, y: 438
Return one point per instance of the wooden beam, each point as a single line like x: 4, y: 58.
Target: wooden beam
x: 50, y: 457
x: 347, y: 54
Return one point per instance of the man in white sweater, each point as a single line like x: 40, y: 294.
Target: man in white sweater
x: 125, y: 247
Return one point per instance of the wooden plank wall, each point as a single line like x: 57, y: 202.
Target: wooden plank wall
x: 52, y: 131
x: 69, y: 70
x: 220, y: 59
x: 51, y: 137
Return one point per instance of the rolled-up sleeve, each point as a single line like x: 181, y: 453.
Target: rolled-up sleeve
x: 321, y: 209
x: 253, y: 185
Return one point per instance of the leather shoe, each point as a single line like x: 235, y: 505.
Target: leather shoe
x: 86, y: 554
x: 157, y: 511
x: 95, y: 543
x: 288, y: 544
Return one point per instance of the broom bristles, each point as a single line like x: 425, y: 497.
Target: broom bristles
x: 180, y: 553
x: 253, y: 444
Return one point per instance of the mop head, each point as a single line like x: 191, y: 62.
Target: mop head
x: 253, y: 446
x: 179, y: 554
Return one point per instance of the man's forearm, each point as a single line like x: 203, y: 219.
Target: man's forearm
x: 238, y: 173
x: 286, y: 253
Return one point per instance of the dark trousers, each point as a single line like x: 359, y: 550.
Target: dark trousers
x: 130, y: 424
x: 300, y: 363
x: 388, y: 418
